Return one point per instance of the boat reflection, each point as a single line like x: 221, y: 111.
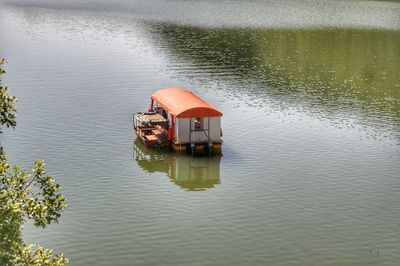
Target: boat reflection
x: 188, y: 172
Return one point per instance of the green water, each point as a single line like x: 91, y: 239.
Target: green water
x: 349, y: 71
x: 310, y: 92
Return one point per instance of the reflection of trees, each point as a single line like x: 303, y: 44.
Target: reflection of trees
x: 189, y: 172
x: 351, y: 70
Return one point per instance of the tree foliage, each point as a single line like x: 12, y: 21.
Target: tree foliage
x: 33, y: 195
x: 24, y: 195
x: 7, y: 103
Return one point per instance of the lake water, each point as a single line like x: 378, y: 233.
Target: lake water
x: 310, y: 91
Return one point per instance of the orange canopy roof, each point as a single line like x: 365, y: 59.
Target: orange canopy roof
x: 184, y: 104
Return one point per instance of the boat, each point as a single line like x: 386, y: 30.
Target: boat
x: 180, y: 120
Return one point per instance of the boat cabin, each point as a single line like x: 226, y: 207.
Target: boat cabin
x: 180, y: 119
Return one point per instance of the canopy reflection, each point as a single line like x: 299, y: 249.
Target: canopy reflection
x: 188, y: 172
x: 344, y: 73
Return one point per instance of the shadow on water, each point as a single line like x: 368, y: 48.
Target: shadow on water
x: 328, y: 72
x: 189, y: 172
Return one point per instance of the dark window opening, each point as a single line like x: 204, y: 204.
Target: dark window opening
x: 198, y: 123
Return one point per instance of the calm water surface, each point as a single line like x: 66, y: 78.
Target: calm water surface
x: 310, y: 92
